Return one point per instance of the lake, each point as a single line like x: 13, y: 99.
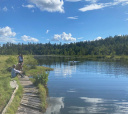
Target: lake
x: 78, y: 86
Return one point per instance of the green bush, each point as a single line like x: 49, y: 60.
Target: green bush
x: 41, y: 79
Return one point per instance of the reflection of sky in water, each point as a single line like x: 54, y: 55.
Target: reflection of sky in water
x: 65, y: 71
x: 98, y: 105
x: 88, y: 87
x: 56, y: 103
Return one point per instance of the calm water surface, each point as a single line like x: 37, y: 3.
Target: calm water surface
x: 85, y: 87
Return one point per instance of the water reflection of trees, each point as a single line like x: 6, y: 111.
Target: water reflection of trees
x: 53, y: 60
x: 118, y: 68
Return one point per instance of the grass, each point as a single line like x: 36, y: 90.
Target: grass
x: 16, y: 101
x: 30, y: 68
x: 5, y: 89
x: 43, y: 96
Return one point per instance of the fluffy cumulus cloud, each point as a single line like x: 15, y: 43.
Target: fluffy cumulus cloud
x: 57, y: 37
x: 49, y: 5
x: 6, y: 35
x: 94, y: 5
x: 29, y: 39
x: 64, y: 37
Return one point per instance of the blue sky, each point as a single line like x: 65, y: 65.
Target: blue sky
x: 55, y: 21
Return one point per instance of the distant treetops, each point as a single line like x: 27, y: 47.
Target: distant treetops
x: 117, y: 45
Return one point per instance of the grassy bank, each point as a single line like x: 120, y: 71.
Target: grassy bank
x: 12, y: 109
x: 43, y: 96
x: 30, y: 68
x: 5, y: 89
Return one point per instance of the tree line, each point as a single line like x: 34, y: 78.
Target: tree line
x: 117, y: 45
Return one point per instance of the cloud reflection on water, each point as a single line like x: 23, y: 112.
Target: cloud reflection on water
x: 55, y: 105
x: 65, y: 71
x: 99, y: 105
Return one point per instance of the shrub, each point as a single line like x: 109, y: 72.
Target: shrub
x: 41, y: 79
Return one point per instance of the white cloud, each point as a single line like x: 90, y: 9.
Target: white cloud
x: 47, y: 31
x: 57, y: 37
x: 98, y: 38
x: 6, y: 32
x: 49, y: 5
x: 85, y: 41
x: 64, y: 37
x: 121, y: 1
x: 28, y: 6
x: 93, y: 1
x: 73, y: 0
x: 6, y: 35
x: 75, y: 17
x: 5, y: 9
x: 95, y: 6
x: 29, y: 39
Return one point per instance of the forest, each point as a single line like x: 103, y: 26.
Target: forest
x: 117, y: 45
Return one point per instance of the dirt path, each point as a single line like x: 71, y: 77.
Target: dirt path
x: 30, y: 103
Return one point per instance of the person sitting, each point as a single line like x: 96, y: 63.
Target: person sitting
x: 15, y: 72
x: 19, y: 66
